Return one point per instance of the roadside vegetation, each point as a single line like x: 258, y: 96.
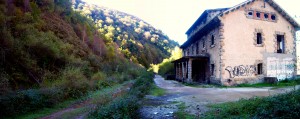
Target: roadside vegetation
x: 279, y: 84
x: 280, y: 106
x: 50, y: 53
x: 126, y: 106
x: 182, y: 114
x: 166, y: 67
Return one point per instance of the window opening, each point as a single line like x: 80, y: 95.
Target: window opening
x: 266, y: 16
x: 273, y: 17
x: 257, y: 14
x: 212, y: 39
x: 250, y: 13
x: 280, y: 44
x: 258, y: 38
x: 259, y: 68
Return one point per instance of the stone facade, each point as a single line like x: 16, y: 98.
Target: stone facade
x: 242, y: 44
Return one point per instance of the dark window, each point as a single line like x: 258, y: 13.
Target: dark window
x: 257, y: 14
x: 266, y: 16
x: 250, y: 13
x: 273, y: 17
x: 212, y: 39
x: 212, y: 69
x: 258, y: 38
x: 259, y: 68
x: 280, y: 44
x: 203, y: 44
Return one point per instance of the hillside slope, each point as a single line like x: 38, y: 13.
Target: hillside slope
x: 50, y: 53
x: 137, y: 40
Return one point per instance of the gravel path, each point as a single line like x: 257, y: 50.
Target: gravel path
x: 195, y: 99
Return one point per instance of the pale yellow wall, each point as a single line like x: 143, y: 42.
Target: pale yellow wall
x: 239, y: 38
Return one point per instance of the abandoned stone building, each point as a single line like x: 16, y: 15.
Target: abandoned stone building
x: 241, y: 44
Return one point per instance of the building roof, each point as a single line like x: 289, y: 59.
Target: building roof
x: 203, y: 18
x: 194, y: 29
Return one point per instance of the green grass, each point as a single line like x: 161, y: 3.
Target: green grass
x: 157, y: 91
x: 181, y: 114
x: 283, y: 83
x: 99, y: 96
x: 46, y: 111
x: 75, y: 113
x: 280, y: 106
x: 280, y: 84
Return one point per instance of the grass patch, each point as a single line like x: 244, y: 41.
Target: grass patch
x: 198, y: 85
x: 280, y: 84
x: 75, y: 113
x: 157, y: 91
x: 100, y: 96
x: 181, y: 114
x: 283, y: 83
x: 280, y: 106
x: 46, y: 111
x: 126, y: 106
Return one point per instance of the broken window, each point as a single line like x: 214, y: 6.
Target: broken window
x: 273, y: 17
x: 212, y: 40
x: 259, y: 68
x: 257, y: 14
x: 258, y: 38
x: 280, y: 44
x: 212, y: 69
x: 266, y: 15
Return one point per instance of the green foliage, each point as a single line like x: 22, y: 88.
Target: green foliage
x: 73, y: 82
x: 156, y: 91
x: 50, y: 53
x: 279, y: 84
x: 138, y: 40
x: 166, y: 67
x: 126, y: 106
x: 181, y: 114
x: 281, y: 106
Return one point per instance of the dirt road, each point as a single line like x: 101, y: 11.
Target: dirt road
x: 195, y: 98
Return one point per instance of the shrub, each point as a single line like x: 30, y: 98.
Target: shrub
x: 73, y: 82
x: 126, y: 106
x: 28, y: 100
x: 280, y: 106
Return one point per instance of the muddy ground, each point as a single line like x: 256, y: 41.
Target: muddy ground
x: 195, y: 99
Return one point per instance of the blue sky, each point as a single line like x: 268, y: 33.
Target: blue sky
x: 174, y: 17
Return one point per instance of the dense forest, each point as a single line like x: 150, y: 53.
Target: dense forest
x: 53, y: 50
x: 136, y: 39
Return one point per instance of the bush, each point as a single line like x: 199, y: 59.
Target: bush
x: 73, y: 82
x: 126, y: 106
x: 280, y: 106
x: 28, y: 100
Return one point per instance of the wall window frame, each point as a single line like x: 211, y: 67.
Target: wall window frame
x: 259, y: 69
x: 258, y: 39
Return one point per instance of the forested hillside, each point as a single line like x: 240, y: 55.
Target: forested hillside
x: 136, y: 39
x: 50, y: 53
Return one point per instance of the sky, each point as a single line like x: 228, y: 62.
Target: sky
x: 174, y: 17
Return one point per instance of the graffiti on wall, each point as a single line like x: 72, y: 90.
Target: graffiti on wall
x: 280, y: 68
x: 241, y: 70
